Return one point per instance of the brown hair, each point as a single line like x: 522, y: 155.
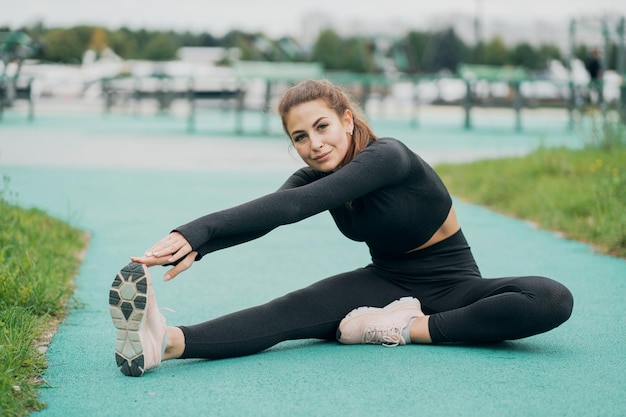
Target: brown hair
x: 337, y: 99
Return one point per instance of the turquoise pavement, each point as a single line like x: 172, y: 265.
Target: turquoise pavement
x: 128, y: 180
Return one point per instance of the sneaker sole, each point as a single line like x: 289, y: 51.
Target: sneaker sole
x: 127, y: 305
x: 401, y: 304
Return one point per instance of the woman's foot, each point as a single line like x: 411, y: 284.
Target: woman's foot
x: 141, y: 328
x: 388, y: 326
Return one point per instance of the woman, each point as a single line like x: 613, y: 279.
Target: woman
x: 379, y: 192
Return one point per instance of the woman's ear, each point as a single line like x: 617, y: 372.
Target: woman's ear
x: 348, y: 121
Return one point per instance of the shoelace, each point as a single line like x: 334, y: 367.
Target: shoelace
x: 389, y: 337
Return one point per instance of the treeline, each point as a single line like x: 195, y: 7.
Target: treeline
x: 416, y: 52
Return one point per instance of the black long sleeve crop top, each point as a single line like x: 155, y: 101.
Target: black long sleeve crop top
x: 387, y: 197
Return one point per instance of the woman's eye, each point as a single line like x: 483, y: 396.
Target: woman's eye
x: 298, y: 138
x: 322, y: 126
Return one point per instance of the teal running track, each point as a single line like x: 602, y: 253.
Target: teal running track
x: 128, y: 180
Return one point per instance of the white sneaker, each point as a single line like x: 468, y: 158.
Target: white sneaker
x: 141, y: 328
x: 380, y: 326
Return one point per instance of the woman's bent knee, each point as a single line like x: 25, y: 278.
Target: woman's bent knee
x: 558, y: 301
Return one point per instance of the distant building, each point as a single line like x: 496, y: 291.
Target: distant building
x: 208, y: 55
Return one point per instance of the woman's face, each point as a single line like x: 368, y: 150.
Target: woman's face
x: 320, y: 136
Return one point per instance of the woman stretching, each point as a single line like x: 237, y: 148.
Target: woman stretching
x: 422, y: 285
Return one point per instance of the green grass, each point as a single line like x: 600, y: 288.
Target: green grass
x: 580, y: 193
x: 39, y: 257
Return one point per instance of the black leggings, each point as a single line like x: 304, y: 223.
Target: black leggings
x: 463, y: 307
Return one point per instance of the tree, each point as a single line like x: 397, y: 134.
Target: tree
x: 548, y: 52
x: 84, y: 34
x: 63, y: 45
x: 161, y: 47
x: 358, y: 56
x: 328, y: 50
x: 124, y: 43
x: 477, y: 54
x: 414, y: 46
x: 99, y: 40
x: 523, y: 54
x: 496, y: 52
x: 243, y: 41
x: 416, y: 52
x: 445, y: 50
x: 451, y: 50
x: 206, y: 39
x: 582, y: 52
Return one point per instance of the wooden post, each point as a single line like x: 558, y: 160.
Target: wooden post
x: 518, y: 102
x: 267, y: 107
x: 191, y: 120
x: 31, y: 103
x: 571, y: 103
x: 416, y: 102
x: 467, y: 104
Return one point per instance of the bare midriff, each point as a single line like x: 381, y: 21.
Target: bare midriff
x: 449, y: 227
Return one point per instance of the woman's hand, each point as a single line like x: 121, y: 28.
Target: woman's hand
x: 182, y: 266
x: 168, y: 250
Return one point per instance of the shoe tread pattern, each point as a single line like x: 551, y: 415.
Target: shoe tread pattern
x: 127, y: 304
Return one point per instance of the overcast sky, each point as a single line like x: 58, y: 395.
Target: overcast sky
x: 287, y: 17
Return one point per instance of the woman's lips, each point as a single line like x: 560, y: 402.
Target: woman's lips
x: 322, y: 156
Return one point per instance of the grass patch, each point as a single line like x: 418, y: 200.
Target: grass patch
x: 580, y: 193
x: 39, y: 257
